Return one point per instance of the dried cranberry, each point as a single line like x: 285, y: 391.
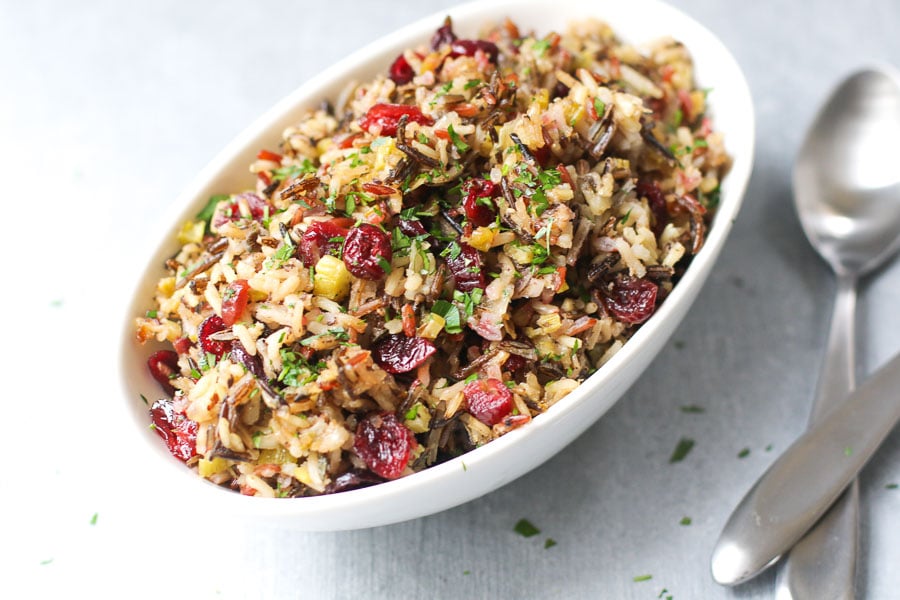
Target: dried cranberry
x: 515, y: 363
x: 470, y: 47
x: 412, y: 227
x: 163, y: 366
x: 629, y: 299
x: 400, y: 71
x: 401, y: 354
x: 387, y: 116
x: 212, y: 325
x: 251, y: 362
x: 467, y: 268
x: 489, y: 400
x: 179, y: 432
x: 444, y: 35
x: 366, y: 251
x: 384, y: 443
x: 477, y: 203
x: 319, y: 239
x: 234, y: 301
x: 258, y: 208
x: 657, y: 202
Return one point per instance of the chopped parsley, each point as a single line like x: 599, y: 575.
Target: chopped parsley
x: 685, y: 445
x: 685, y: 521
x: 296, y: 370
x: 891, y: 486
x: 469, y: 300
x: 692, y: 409
x: 151, y: 314
x: 540, y: 47
x: 207, y: 211
x: 93, y: 520
x: 549, y: 543
x: 46, y: 561
x: 526, y: 528
x: 337, y: 333
x: 293, y: 171
x: 384, y: 264
x: 744, y: 453
x: 457, y: 141
x: 412, y: 413
x: 600, y: 107
x: 639, y: 578
x: 472, y: 83
x: 848, y: 451
x: 452, y: 251
x: 144, y: 398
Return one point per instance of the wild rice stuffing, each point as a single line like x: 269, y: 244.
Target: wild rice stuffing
x: 432, y: 261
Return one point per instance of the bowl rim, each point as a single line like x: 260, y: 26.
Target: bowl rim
x: 186, y: 203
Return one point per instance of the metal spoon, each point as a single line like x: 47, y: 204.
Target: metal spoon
x: 847, y: 192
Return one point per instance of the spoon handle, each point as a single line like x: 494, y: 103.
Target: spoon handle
x: 823, y: 563
x: 800, y: 486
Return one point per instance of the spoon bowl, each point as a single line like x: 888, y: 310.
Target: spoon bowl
x: 847, y: 178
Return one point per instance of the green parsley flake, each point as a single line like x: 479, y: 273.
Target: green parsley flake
x: 639, y: 578
x: 540, y: 47
x: 56, y: 303
x: 412, y: 413
x: 467, y: 572
x: 848, y: 451
x: 549, y: 543
x: 600, y: 107
x: 685, y: 521
x: 692, y: 409
x: 685, y: 445
x: 744, y: 453
x: 526, y: 528
x: 891, y: 486
x: 144, y: 398
x: 46, y: 561
x: 94, y: 518
x: 461, y: 145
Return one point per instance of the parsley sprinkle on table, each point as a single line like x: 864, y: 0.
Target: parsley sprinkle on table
x: 685, y: 521
x: 744, y: 453
x: 891, y: 486
x: 94, y: 518
x: 692, y: 409
x: 681, y: 450
x: 639, y: 578
x: 526, y: 528
x: 549, y: 543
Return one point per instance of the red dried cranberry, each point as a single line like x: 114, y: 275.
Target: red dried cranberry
x: 515, y: 363
x: 258, y: 207
x: 412, y: 227
x: 387, y: 116
x: 629, y: 299
x: 212, y: 325
x: 489, y: 400
x: 384, y: 443
x: 477, y: 203
x: 444, y: 35
x: 163, y: 366
x: 179, y: 432
x: 319, y: 239
x: 234, y: 301
x: 366, y: 251
x: 401, y: 354
x: 466, y: 267
x: 657, y: 202
x: 400, y: 71
x: 470, y: 47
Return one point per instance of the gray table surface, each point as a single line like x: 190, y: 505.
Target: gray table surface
x: 108, y: 110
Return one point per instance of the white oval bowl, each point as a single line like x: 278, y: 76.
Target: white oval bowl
x: 499, y: 462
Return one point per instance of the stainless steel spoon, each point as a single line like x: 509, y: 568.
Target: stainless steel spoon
x: 847, y: 192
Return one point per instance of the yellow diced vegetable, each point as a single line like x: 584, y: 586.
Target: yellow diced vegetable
x: 166, y: 286
x: 549, y: 322
x: 522, y: 255
x: 191, y: 232
x: 431, y: 326
x: 332, y: 278
x: 482, y: 238
x: 421, y: 418
x: 274, y: 456
x: 208, y: 468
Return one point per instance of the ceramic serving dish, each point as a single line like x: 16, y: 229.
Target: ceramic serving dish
x: 499, y: 462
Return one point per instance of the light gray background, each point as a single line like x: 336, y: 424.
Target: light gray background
x: 108, y: 109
